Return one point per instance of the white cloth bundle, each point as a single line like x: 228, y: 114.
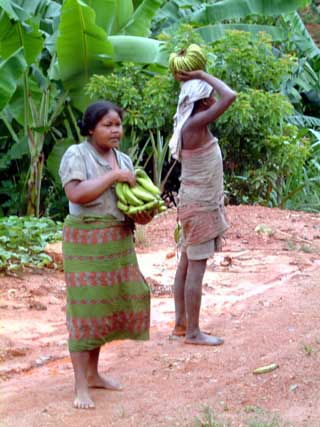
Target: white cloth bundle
x: 191, y: 91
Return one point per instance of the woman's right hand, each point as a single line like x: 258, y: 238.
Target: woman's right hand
x: 125, y: 175
x: 184, y: 76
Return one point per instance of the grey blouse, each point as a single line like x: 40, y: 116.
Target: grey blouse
x: 81, y: 162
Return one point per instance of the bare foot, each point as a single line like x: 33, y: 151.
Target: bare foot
x: 99, y: 381
x: 82, y: 400
x: 179, y: 331
x: 203, y: 339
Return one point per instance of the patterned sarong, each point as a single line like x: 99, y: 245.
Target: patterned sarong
x: 107, y: 296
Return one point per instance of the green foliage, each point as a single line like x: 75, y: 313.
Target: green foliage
x: 249, y: 129
x: 184, y: 35
x: 149, y: 99
x: 311, y: 14
x: 266, y: 158
x: 23, y: 240
x: 246, y: 61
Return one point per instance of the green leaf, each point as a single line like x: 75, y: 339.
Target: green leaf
x: 105, y: 12
x: 237, y: 9
x: 302, y: 37
x: 10, y: 72
x: 14, y: 34
x: 55, y: 156
x: 137, y: 49
x: 139, y: 24
x: 123, y: 12
x: 13, y: 9
x: 211, y: 33
x: 83, y: 52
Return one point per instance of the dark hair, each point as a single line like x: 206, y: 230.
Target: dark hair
x: 200, y: 101
x: 94, y: 114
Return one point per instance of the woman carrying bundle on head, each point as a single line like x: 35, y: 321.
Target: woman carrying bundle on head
x: 107, y: 296
x: 201, y: 196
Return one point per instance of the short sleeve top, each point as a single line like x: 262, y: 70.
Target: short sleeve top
x: 82, y: 162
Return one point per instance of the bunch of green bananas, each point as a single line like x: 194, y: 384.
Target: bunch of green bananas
x: 143, y: 197
x: 189, y: 59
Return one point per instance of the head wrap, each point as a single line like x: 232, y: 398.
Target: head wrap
x: 191, y: 91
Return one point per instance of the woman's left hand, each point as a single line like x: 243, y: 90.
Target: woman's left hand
x: 142, y: 217
x: 184, y: 76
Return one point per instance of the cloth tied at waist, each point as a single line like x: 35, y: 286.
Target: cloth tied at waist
x: 200, y: 224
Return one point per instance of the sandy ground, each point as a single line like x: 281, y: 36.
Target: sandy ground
x: 261, y: 294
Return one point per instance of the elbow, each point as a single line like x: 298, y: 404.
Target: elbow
x: 75, y: 199
x: 232, y: 97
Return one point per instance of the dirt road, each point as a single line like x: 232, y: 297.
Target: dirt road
x: 261, y: 294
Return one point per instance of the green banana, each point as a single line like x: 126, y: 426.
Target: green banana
x: 141, y: 173
x: 119, y: 192
x: 191, y: 58
x: 266, y: 369
x: 148, y: 185
x: 144, y: 180
x: 162, y: 208
x: 122, y: 207
x: 130, y: 197
x: 138, y: 209
x: 142, y: 194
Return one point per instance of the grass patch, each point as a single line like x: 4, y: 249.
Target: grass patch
x: 265, y: 419
x: 209, y: 419
x: 258, y: 418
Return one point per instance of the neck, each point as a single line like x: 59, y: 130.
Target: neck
x: 104, y: 152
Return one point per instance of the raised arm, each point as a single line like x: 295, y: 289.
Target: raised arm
x: 226, y: 96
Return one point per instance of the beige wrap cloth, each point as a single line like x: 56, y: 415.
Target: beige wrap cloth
x: 201, y: 196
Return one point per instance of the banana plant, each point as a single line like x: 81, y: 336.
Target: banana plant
x: 214, y: 18
x: 160, y: 150
x: 98, y: 47
x: 28, y: 98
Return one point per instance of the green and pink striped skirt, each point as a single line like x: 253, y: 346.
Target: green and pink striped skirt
x: 107, y: 296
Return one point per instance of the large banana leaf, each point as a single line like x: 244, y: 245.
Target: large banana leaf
x: 105, y: 12
x: 44, y: 14
x: 83, y: 52
x: 211, y: 33
x: 10, y: 72
x: 40, y: 8
x: 238, y: 9
x: 14, y: 10
x: 55, y: 156
x: 139, y: 24
x: 123, y: 12
x: 137, y: 49
x: 305, y: 121
x: 302, y: 38
x: 17, y: 34
x: 136, y: 3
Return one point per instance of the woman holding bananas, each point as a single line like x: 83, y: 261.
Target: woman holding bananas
x: 201, y: 197
x: 107, y: 296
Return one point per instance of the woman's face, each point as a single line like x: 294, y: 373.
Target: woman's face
x: 108, y: 132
